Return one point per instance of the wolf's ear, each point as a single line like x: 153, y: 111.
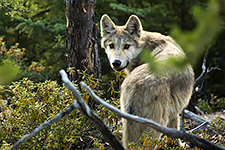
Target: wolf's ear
x: 106, y: 25
x: 133, y: 26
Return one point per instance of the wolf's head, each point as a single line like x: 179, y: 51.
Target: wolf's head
x: 122, y: 44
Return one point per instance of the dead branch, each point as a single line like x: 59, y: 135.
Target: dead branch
x: 198, y: 85
x: 45, y: 124
x: 198, y: 121
x: 201, y: 126
x: 85, y: 110
x: 204, y: 70
x: 41, y: 12
x: 195, y: 140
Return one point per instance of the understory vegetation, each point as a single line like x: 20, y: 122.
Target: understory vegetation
x: 33, y: 49
x: 26, y: 104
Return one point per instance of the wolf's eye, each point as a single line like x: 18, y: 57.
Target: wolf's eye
x: 127, y: 46
x: 111, y: 46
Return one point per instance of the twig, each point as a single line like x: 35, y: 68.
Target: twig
x: 200, y: 122
x: 45, y: 124
x: 41, y: 12
x: 198, y: 85
x: 201, y: 126
x: 5, y: 8
x: 204, y: 71
x: 190, y: 115
x: 195, y: 140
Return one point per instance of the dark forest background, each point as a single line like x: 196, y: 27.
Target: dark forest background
x: 39, y: 27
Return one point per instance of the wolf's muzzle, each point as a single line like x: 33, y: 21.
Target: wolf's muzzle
x: 116, y: 63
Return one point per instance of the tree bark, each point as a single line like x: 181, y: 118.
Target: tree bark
x: 82, y: 48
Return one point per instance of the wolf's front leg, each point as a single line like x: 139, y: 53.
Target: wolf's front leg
x: 131, y: 132
x: 174, y: 122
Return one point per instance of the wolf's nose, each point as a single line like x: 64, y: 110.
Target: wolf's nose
x: 116, y: 63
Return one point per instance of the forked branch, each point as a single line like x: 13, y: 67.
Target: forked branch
x: 195, y: 140
x: 85, y: 110
x: 205, y: 70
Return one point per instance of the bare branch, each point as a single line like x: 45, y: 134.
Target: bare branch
x: 213, y: 68
x: 5, y: 7
x: 195, y: 140
x: 45, y: 124
x: 198, y: 85
x: 200, y: 122
x: 190, y: 115
x: 204, y: 71
x: 201, y: 126
x: 85, y: 110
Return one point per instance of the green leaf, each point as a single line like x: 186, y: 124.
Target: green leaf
x: 194, y: 42
x: 8, y: 71
x: 21, y: 25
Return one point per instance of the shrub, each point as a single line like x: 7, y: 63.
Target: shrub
x: 213, y: 105
x: 33, y: 103
x: 27, y: 104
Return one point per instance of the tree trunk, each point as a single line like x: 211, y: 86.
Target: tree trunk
x: 82, y: 48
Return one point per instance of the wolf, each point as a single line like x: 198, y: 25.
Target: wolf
x: 160, y: 96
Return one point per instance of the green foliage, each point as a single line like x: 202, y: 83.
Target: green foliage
x: 6, y: 146
x: 217, y: 126
x: 208, y: 25
x: 14, y: 53
x: 41, y: 30
x: 9, y: 62
x: 19, y: 8
x: 33, y: 103
x: 8, y: 71
x: 138, y: 11
x: 148, y: 142
x: 172, y: 64
x: 39, y: 27
x: 213, y: 105
x: 155, y: 15
x: 28, y: 104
